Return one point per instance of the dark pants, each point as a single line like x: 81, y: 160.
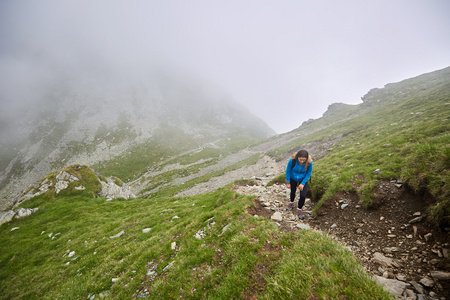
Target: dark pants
x: 301, y: 201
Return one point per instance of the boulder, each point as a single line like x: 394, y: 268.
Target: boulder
x: 117, y: 235
x: 6, y: 216
x: 395, y: 287
x: 427, y: 281
x: 303, y: 226
x: 61, y: 185
x: 440, y: 275
x: 111, y: 190
x: 384, y: 261
x: 277, y: 217
x: 23, y: 212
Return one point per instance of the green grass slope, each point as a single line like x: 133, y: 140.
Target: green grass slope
x: 202, y: 247
x: 207, y: 246
x: 402, y: 129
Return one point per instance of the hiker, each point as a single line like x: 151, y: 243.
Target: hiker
x: 298, y: 172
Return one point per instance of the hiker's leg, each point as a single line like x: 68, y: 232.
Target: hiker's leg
x: 293, y: 189
x: 302, y: 199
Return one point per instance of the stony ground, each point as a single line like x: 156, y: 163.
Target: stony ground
x: 396, y: 227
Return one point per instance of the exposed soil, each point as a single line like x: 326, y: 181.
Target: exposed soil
x: 418, y: 247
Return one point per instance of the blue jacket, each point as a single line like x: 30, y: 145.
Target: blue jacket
x: 298, y: 173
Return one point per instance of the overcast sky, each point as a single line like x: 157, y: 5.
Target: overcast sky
x: 286, y: 61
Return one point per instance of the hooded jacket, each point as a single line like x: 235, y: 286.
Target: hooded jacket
x: 298, y: 172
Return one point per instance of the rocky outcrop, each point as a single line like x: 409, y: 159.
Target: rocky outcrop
x: 63, y: 180
x: 111, y: 190
x: 7, y: 216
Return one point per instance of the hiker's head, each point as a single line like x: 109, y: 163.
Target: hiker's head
x: 303, y: 156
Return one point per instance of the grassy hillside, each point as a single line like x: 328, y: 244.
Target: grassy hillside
x: 403, y: 130
x: 207, y: 246
x: 202, y: 247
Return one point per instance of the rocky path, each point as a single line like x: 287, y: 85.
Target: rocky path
x: 394, y: 242
x: 263, y: 168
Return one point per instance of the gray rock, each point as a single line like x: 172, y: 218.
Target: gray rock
x: 226, y: 228
x: 410, y: 294
x: 200, y: 235
x: 395, y: 287
x: 303, y: 226
x: 427, y: 281
x: 61, y: 185
x: 440, y: 275
x: 417, y: 287
x: 117, y: 235
x: 146, y: 230
x: 23, y: 212
x: 391, y: 249
x: 168, y: 266
x: 416, y: 220
x: 344, y: 205
x: 401, y: 277
x: 377, y: 171
x: 64, y: 176
x: 6, y: 216
x: 277, y: 217
x: 384, y: 261
x: 111, y: 190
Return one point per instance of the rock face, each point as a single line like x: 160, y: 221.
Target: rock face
x: 6, y: 216
x: 62, y: 181
x: 111, y: 190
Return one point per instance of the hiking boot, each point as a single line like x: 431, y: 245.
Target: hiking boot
x: 290, y: 206
x: 300, y: 214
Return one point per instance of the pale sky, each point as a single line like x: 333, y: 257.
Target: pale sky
x: 286, y: 61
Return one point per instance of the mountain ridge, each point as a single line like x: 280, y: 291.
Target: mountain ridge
x: 86, y: 127
x: 379, y: 187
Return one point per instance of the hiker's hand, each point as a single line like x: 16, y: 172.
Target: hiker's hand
x: 300, y: 187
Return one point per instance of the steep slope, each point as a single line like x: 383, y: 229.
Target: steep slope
x: 97, y: 122
x: 389, y: 154
x: 402, y: 130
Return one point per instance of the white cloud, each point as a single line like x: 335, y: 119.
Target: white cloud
x: 284, y: 60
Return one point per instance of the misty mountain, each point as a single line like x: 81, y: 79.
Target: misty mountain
x: 380, y: 177
x: 93, y: 119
